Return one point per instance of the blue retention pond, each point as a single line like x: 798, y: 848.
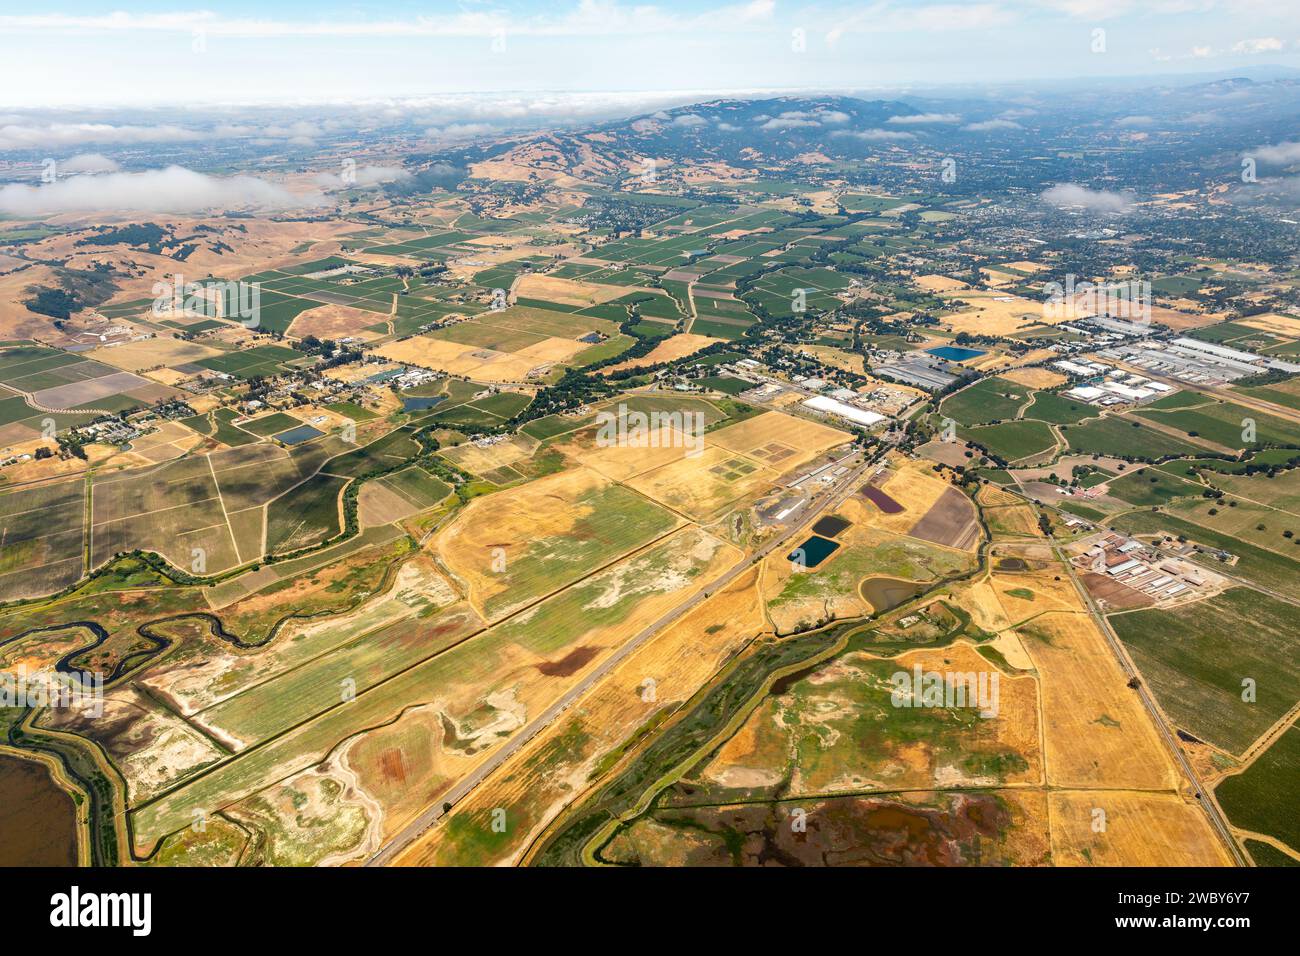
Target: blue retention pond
x: 298, y: 435
x: 955, y: 353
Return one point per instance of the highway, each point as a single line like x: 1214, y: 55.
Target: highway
x: 389, y: 852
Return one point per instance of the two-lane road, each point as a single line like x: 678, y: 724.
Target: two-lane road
x: 430, y: 817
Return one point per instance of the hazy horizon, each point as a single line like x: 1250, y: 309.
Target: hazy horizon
x: 287, y: 51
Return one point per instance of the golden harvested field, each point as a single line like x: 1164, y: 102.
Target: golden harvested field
x: 482, y: 459
x: 1026, y: 266
x: 151, y: 353
x: 669, y: 350
x: 1013, y: 521
x: 978, y: 599
x: 771, y: 437
x: 1179, y: 320
x: 566, y: 291
x: 623, y: 461
x: 1025, y: 594
x: 508, y: 549
x: 991, y: 496
x: 335, y: 322
x: 938, y: 283
x: 1096, y: 731
x: 1141, y: 829
x: 553, y: 769
x: 170, y: 440
x: 838, y: 358
x: 481, y: 364
x: 997, y: 278
x: 704, y: 485
x: 1035, y: 377
x: 998, y: 313
x: 1009, y: 645
x: 1272, y: 322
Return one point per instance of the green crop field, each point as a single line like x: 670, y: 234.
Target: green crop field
x: 1225, y: 423
x: 1151, y: 486
x: 989, y: 400
x: 1058, y: 410
x: 263, y: 360
x: 305, y: 515
x: 1262, y: 798
x: 1196, y: 656
x: 1011, y: 440
x: 1124, y: 438
x: 617, y: 520
x: 269, y: 424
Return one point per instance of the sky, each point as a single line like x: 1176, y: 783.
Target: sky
x: 142, y: 52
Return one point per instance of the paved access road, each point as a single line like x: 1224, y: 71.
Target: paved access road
x: 430, y: 817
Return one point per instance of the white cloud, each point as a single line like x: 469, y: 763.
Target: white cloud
x: 990, y: 126
x: 690, y: 120
x: 1258, y: 45
x: 888, y: 17
x: 87, y: 163
x: 1091, y: 9
x: 362, y: 177
x: 1134, y: 121
x: 174, y: 189
x: 784, y: 122
x: 293, y: 131
x: 875, y: 135
x: 460, y: 131
x: 924, y: 119
x: 1096, y: 200
x: 1283, y: 154
x: 586, y: 18
x: 794, y: 119
x: 54, y: 135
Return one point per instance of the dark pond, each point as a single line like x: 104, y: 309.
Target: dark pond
x: 813, y: 551
x: 418, y: 403
x: 884, y: 594
x: 831, y: 525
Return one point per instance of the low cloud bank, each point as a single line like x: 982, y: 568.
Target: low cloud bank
x: 174, y: 189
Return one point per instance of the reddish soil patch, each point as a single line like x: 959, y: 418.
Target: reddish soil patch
x: 570, y: 663
x: 881, y: 500
x: 392, y: 766
x: 858, y: 831
x: 950, y: 521
x: 1115, y: 594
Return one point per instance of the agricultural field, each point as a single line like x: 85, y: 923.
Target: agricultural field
x: 43, y: 534
x: 1197, y: 656
x: 392, y: 574
x: 545, y: 536
x: 1255, y: 799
